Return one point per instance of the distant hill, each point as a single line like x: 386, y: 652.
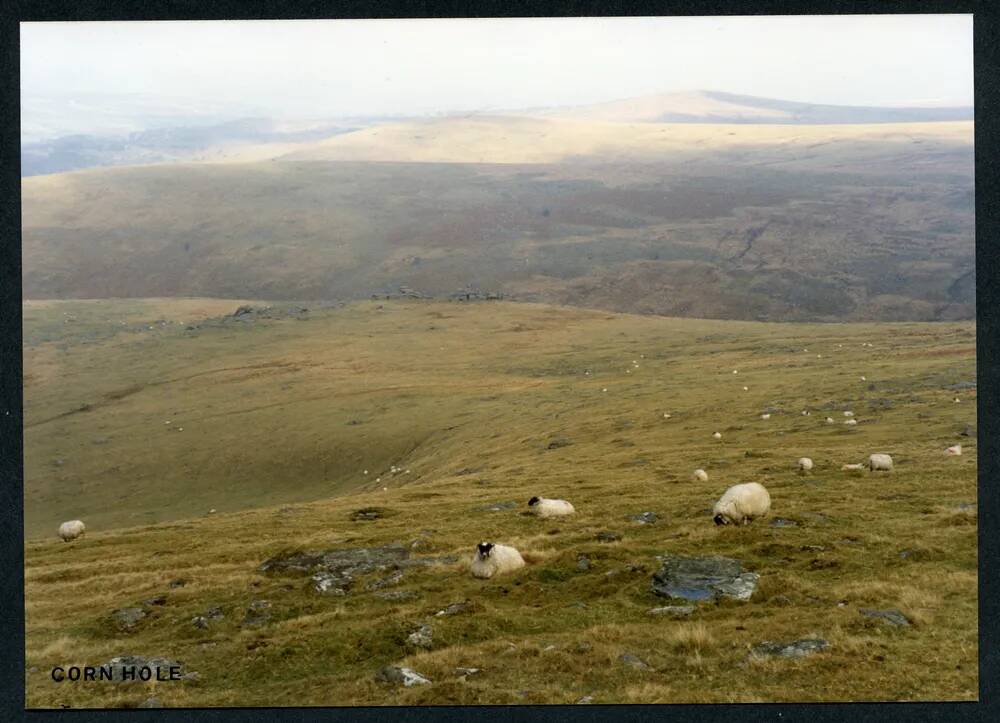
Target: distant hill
x: 834, y: 222
x: 706, y: 106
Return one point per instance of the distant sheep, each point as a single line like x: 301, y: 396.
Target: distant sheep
x: 805, y: 464
x: 699, y: 475
x: 71, y: 530
x: 850, y: 422
x: 829, y: 420
x: 490, y: 559
x: 954, y: 451
x: 550, y: 508
x: 848, y: 414
x: 765, y: 416
x: 741, y: 504
x: 717, y: 435
x: 880, y: 463
x: 852, y: 467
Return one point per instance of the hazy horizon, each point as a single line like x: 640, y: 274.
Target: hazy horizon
x: 106, y: 77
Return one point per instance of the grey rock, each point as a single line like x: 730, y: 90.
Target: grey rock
x: 331, y: 583
x: 466, y: 672
x: 454, y: 609
x: 891, y: 617
x: 634, y: 661
x: 608, y: 537
x: 498, y: 507
x: 961, y: 386
x: 128, y: 618
x: 179, y: 582
x: 813, y: 548
x: 215, y: 613
x: 257, y: 614
x: 199, y: 621
x: 348, y: 561
x: 582, y: 563
x: 968, y: 431
x: 151, y: 703
x: 422, y: 637
x: 676, y: 611
x: 192, y: 676
x: 643, y: 518
x: 703, y: 578
x: 393, y: 579
x: 794, y: 649
x: 559, y: 442
x: 366, y: 514
x: 398, y: 675
x: 158, y: 600
x: 585, y: 700
x: 782, y: 522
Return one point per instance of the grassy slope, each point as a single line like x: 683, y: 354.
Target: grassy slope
x: 468, y: 397
x: 767, y: 223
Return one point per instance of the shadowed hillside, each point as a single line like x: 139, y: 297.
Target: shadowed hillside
x: 845, y: 222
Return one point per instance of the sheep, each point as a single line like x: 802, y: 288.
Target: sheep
x: 746, y: 389
x: 850, y: 422
x: 829, y: 420
x: 71, y: 530
x: 851, y: 467
x: 491, y: 559
x: 741, y: 504
x: 848, y: 414
x: 666, y: 416
x: 736, y: 371
x: 550, y: 508
x: 699, y: 475
x: 880, y: 463
x: 717, y: 435
x: 765, y: 416
x: 805, y: 412
x: 805, y: 464
x: 954, y: 451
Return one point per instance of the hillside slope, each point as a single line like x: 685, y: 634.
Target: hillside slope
x: 724, y: 221
x: 480, y: 406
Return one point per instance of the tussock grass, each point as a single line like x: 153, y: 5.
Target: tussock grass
x: 473, y: 421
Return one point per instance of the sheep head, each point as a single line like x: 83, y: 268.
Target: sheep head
x: 485, y: 548
x: 533, y: 501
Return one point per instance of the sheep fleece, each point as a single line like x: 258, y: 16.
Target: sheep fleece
x: 742, y: 503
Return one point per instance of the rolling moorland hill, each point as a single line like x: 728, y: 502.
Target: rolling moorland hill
x: 742, y: 221
x: 425, y: 426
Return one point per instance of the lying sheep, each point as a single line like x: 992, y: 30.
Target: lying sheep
x: 852, y: 467
x: 717, y: 435
x: 71, y: 530
x: 490, y: 559
x: 850, y: 422
x: 954, y: 451
x: 741, y: 504
x: 699, y: 475
x: 550, y: 508
x: 848, y: 414
x: 829, y: 420
x: 805, y: 464
x: 880, y: 463
x: 765, y: 416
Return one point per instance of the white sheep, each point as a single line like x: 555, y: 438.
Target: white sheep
x: 851, y: 467
x: 954, y: 451
x: 550, y: 508
x: 805, y: 412
x: 71, y: 530
x: 491, y: 559
x: 805, y: 464
x: 717, y: 435
x: 699, y: 475
x: 746, y: 389
x: 850, y: 422
x: 765, y: 416
x: 829, y: 420
x: 880, y: 463
x: 741, y: 504
x: 848, y: 414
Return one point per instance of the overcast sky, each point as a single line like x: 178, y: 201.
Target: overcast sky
x: 324, y: 68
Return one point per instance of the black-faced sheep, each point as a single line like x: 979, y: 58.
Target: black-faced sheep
x: 491, y: 559
x: 543, y: 507
x: 741, y: 504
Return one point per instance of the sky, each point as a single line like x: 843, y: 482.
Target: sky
x: 94, y: 75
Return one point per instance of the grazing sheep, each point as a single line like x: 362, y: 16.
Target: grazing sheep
x: 550, y: 508
x: 490, y: 559
x: 699, y: 475
x: 864, y: 379
x: 829, y: 420
x: 880, y: 463
x: 848, y: 414
x: 717, y: 435
x: 954, y: 451
x: 805, y: 464
x: 852, y: 467
x: 765, y: 416
x: 741, y: 504
x: 850, y: 422
x: 71, y: 530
